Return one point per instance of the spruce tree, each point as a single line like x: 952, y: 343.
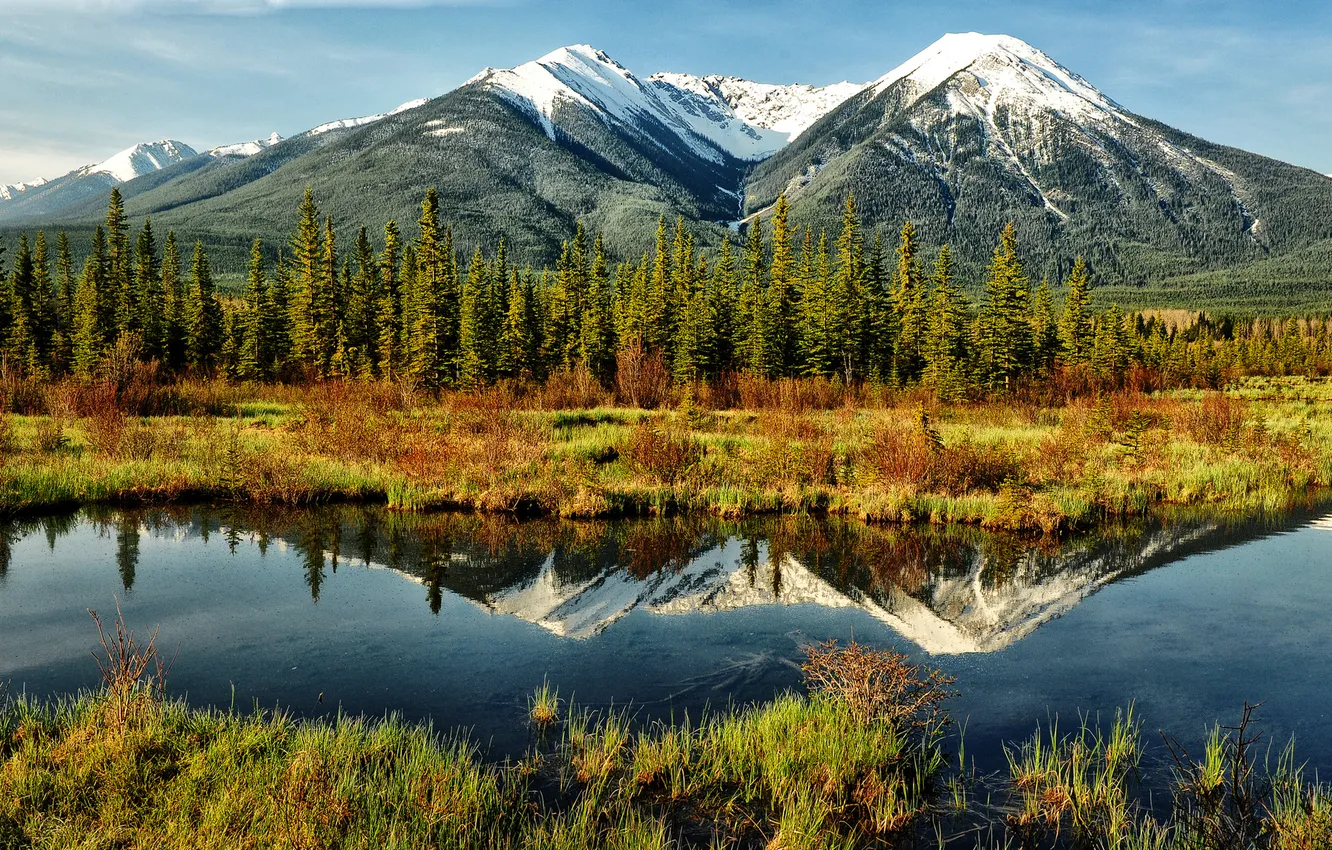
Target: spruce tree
x: 1004, y: 335
x: 598, y: 327
x: 249, y: 325
x: 44, y: 306
x: 657, y: 307
x: 152, y: 319
x: 20, y: 345
x: 849, y: 295
x: 909, y: 301
x: 63, y: 304
x: 724, y: 296
x: 120, y: 304
x: 1075, y: 325
x: 783, y: 293
x: 423, y: 323
x: 276, y: 323
x: 388, y: 320
x: 1044, y: 326
x: 757, y: 350
x: 946, y: 343
x: 173, y: 285
x: 820, y: 351
x: 203, y: 315
x: 475, y: 349
x: 91, y: 333
x: 306, y: 284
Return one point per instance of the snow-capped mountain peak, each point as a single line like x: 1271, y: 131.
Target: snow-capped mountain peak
x: 141, y: 159
x: 1001, y: 64
x: 243, y: 149
x: 715, y: 116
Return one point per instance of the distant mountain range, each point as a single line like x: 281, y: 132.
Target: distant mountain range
x: 972, y: 132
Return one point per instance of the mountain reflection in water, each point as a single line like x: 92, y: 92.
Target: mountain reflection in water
x: 950, y: 590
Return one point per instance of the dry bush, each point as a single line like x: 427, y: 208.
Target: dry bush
x: 641, y: 379
x: 659, y: 453
x: 1217, y: 421
x: 134, y: 672
x: 19, y: 393
x: 343, y: 420
x: 103, y: 428
x: 793, y: 395
x: 880, y: 685
x: 572, y: 389
x: 722, y: 393
x: 912, y: 457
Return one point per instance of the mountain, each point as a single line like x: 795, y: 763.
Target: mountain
x: 42, y: 198
x: 977, y: 130
x: 973, y: 132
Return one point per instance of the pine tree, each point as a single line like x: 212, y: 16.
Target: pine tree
x: 521, y: 341
x: 173, y: 288
x: 881, y: 336
x: 152, y: 319
x: 783, y: 293
x: 120, y: 304
x: 276, y: 324
x: 1044, y: 328
x: 360, y: 315
x: 757, y: 350
x: 657, y: 319
x: 724, y: 297
x: 1109, y: 352
x: 203, y: 315
x: 475, y: 348
x: 44, y: 306
x: 945, y: 347
x: 598, y: 326
x: 1075, y: 326
x: 849, y: 295
x: 1004, y: 334
x: 819, y: 349
x: 19, y: 311
x: 65, y: 285
x: 249, y: 326
x: 90, y: 336
x: 909, y: 300
x: 388, y: 320
x: 423, y: 326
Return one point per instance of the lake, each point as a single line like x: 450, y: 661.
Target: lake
x: 457, y: 618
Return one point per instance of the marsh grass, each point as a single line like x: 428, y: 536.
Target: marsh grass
x: 797, y: 447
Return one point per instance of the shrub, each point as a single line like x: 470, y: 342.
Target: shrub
x: 659, y: 453
x: 1218, y: 421
x: 880, y: 686
x: 641, y: 379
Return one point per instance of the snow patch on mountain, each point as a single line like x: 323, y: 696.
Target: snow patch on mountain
x: 352, y: 123
x: 244, y: 149
x: 140, y: 159
x: 788, y: 110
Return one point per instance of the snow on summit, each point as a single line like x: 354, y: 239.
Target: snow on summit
x: 713, y: 115
x: 1001, y: 66
x: 141, y: 159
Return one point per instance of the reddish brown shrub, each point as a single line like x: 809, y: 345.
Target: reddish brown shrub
x: 660, y: 453
x: 1217, y: 421
x: 641, y: 379
x: 910, y: 457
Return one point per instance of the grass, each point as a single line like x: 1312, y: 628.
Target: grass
x: 859, y: 761
x: 881, y: 457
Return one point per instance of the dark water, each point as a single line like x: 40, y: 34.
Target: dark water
x: 458, y: 618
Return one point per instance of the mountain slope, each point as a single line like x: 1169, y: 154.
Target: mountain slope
x: 978, y: 130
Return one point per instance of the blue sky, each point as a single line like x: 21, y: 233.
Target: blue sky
x: 81, y: 79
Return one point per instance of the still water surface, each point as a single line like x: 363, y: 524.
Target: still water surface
x: 458, y: 618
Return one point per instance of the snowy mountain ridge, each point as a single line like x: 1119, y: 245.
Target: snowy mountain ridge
x: 715, y: 116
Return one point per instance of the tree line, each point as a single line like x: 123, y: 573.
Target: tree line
x: 781, y: 302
